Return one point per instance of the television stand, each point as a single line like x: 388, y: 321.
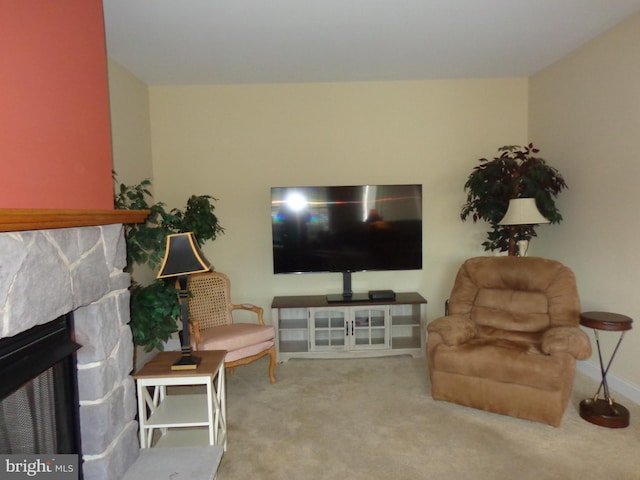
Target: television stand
x: 309, y: 326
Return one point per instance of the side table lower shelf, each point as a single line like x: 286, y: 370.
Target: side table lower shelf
x: 182, y: 419
x: 183, y: 437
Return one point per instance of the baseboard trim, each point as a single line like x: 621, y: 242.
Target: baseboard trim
x: 629, y: 390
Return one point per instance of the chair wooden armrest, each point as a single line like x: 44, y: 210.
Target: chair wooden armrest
x: 194, y: 330
x: 249, y: 307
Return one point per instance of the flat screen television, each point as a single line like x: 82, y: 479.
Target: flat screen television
x: 346, y: 229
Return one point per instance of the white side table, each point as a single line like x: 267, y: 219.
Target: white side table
x: 189, y: 419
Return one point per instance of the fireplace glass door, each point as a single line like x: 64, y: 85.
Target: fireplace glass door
x: 38, y: 393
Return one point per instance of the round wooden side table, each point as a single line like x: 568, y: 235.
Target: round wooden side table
x: 605, y: 411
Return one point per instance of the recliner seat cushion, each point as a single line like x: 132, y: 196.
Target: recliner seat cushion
x: 506, y: 361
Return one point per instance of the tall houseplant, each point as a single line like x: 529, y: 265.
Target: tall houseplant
x: 155, y: 307
x: 516, y: 172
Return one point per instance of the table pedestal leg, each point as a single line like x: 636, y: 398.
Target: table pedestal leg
x: 605, y: 412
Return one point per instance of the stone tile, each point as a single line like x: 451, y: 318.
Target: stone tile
x: 115, y: 462
x: 12, y: 254
x: 115, y: 247
x: 90, y: 278
x: 43, y: 285
x: 97, y: 329
x: 102, y: 421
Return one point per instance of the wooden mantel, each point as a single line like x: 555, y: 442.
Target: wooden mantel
x: 20, y: 219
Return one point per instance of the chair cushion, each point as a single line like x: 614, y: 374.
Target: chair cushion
x: 235, y: 336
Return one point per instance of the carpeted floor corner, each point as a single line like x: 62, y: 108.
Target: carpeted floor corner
x: 375, y: 419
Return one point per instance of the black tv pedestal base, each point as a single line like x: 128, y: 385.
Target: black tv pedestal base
x: 340, y: 298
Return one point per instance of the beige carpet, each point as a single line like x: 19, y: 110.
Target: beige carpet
x: 375, y: 419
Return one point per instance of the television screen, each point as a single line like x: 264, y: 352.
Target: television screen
x: 346, y: 228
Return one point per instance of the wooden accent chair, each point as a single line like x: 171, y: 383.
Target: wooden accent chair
x: 511, y: 338
x: 213, y: 328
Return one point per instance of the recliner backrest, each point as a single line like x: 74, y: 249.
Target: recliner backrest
x: 526, y: 294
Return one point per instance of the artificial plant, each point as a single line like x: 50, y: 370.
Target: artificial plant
x: 516, y: 172
x: 155, y: 307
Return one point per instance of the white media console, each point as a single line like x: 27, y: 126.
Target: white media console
x: 309, y: 326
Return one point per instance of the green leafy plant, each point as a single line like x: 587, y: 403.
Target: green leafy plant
x: 516, y: 172
x: 155, y: 308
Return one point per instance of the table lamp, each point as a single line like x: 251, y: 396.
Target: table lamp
x: 182, y: 258
x: 521, y: 211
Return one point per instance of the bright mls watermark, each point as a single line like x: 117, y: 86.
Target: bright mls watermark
x: 51, y: 467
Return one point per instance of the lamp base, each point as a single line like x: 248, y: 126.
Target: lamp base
x: 186, y: 361
x: 523, y: 246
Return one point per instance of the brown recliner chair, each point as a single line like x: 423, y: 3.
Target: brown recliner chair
x: 511, y: 338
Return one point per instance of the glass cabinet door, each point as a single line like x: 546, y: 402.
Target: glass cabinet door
x: 328, y: 328
x: 369, y: 328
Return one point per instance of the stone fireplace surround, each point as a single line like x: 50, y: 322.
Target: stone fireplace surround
x: 47, y: 273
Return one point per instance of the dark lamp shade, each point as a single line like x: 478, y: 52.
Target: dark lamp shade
x: 183, y: 256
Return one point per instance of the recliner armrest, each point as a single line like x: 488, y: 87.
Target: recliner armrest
x: 454, y: 329
x: 570, y: 340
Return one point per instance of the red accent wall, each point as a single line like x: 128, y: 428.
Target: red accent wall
x: 55, y: 140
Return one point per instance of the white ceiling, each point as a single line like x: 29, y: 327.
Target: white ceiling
x: 262, y: 41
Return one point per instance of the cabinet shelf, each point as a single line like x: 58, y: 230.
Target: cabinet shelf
x: 292, y: 346
x: 404, y: 343
x: 405, y: 320
x: 294, y: 323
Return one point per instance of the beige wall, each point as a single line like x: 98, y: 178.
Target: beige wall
x: 235, y: 142
x: 585, y: 113
x: 130, y: 125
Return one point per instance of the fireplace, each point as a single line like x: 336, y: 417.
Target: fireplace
x: 39, y: 410
x: 45, y: 274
